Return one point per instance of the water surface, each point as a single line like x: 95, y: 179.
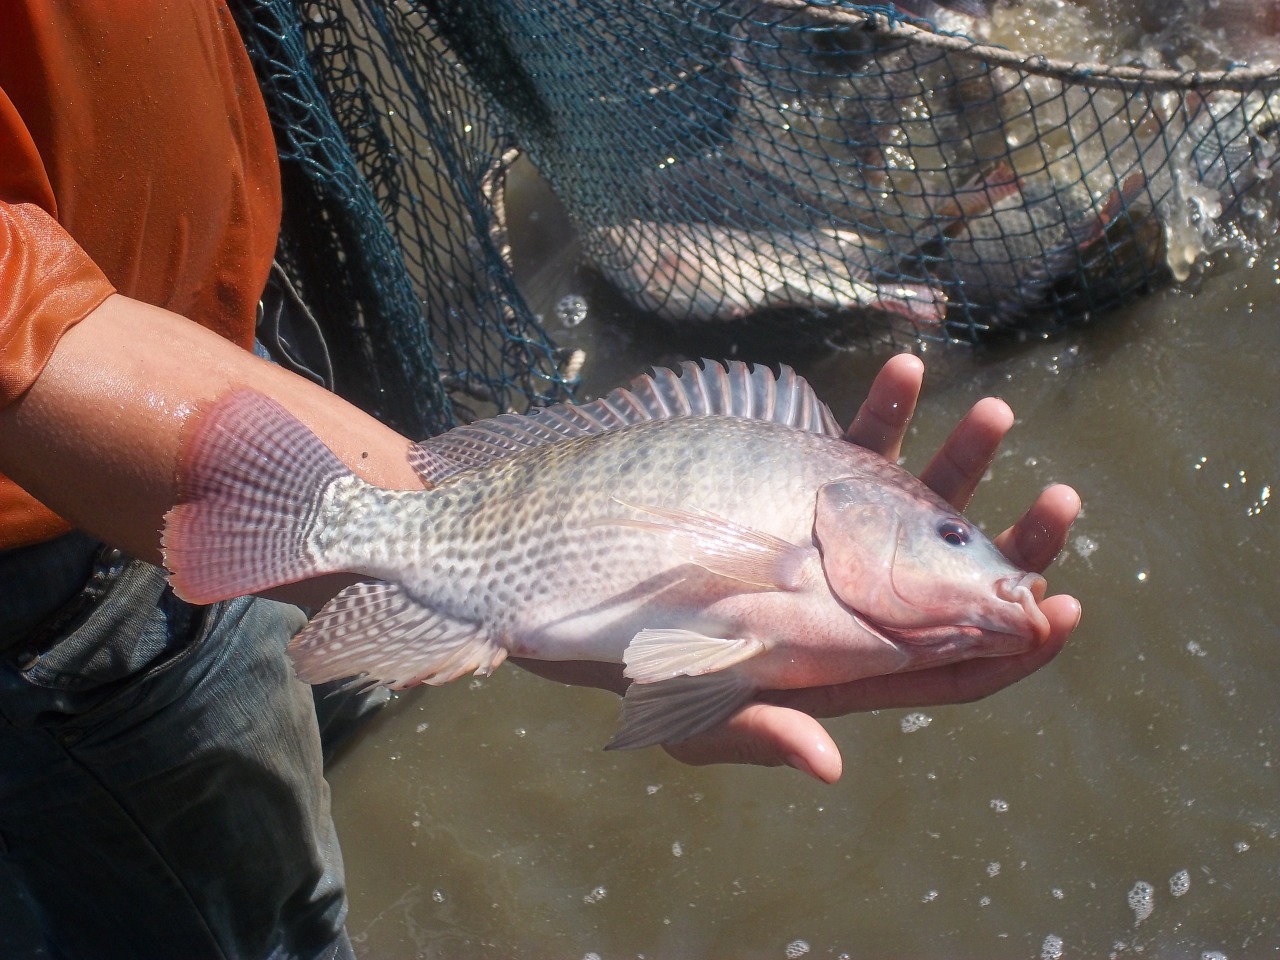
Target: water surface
x: 1123, y: 802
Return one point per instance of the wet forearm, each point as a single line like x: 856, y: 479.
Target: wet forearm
x: 98, y: 437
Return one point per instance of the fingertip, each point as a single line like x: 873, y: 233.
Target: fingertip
x: 994, y: 415
x: 821, y: 760
x: 1064, y: 500
x: 1065, y: 611
x: 906, y: 363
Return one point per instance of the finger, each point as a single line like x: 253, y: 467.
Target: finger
x: 953, y: 683
x: 958, y: 466
x: 882, y: 419
x: 577, y: 673
x: 1039, y: 536
x: 769, y: 736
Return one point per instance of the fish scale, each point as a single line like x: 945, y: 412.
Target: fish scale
x: 712, y: 553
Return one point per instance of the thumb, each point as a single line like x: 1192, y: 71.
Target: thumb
x: 769, y: 736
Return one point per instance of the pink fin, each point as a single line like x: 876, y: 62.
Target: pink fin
x: 1116, y: 204
x: 723, y: 547
x: 379, y: 632
x: 979, y: 196
x: 250, y: 479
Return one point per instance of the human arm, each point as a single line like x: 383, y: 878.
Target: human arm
x: 97, y: 436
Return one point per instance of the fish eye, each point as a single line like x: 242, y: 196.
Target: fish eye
x: 954, y: 532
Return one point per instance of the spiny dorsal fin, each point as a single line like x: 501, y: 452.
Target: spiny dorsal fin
x: 735, y: 390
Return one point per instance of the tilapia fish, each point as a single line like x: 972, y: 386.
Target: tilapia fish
x: 701, y: 272
x: 710, y: 530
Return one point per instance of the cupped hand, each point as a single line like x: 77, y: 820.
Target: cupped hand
x: 780, y: 728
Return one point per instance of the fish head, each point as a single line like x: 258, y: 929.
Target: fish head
x: 920, y: 576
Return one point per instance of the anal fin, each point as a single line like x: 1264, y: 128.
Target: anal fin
x: 674, y: 710
x: 378, y: 632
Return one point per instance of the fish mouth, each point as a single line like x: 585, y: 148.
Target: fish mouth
x: 1004, y: 632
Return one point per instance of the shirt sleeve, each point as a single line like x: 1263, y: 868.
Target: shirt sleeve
x: 47, y: 284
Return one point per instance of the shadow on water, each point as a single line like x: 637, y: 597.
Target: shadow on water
x: 1123, y: 802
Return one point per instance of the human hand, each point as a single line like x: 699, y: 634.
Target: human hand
x: 780, y: 727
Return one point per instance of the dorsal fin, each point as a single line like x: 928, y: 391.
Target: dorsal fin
x: 735, y: 390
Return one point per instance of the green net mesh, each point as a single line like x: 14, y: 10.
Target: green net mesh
x: 904, y: 171
x: 911, y: 174
x: 392, y: 172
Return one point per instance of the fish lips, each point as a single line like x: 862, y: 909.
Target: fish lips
x: 1012, y: 623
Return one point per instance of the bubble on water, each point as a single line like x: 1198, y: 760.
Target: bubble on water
x: 1180, y: 883
x: 571, y: 310
x: 1000, y: 806
x: 1195, y: 649
x: 984, y: 901
x: 437, y: 896
x: 796, y: 948
x: 1057, y: 893
x: 993, y: 868
x: 1257, y: 506
x: 591, y: 956
x: 929, y: 897
x: 676, y: 849
x: 915, y: 721
x: 652, y: 788
x: 1241, y: 846
x: 1213, y: 955
x: 1051, y: 949
x: 596, y: 895
x: 520, y: 731
x: 422, y: 726
x: 1142, y: 901
x: 1085, y: 547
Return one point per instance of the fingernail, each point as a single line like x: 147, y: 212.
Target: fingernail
x: 797, y: 762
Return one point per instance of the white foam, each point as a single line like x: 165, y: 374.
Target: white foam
x: 1180, y: 883
x: 571, y: 310
x: 915, y: 721
x: 1142, y: 901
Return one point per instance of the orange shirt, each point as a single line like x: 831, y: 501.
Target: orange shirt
x: 135, y: 155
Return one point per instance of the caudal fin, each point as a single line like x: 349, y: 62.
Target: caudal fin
x: 250, y: 481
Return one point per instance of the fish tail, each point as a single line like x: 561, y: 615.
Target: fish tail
x: 1122, y: 196
x: 978, y: 197
x: 251, y: 482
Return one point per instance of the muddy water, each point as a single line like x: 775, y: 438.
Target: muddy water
x: 1123, y: 802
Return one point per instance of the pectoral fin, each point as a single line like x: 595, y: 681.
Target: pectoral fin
x: 722, y: 546
x: 657, y: 655
x: 675, y: 710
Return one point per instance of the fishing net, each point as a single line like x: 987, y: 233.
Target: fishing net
x: 392, y: 173
x: 910, y: 170
x: 907, y: 171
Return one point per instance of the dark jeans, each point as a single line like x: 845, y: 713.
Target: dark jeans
x: 161, y: 788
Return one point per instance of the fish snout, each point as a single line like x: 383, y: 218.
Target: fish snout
x: 1026, y: 590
